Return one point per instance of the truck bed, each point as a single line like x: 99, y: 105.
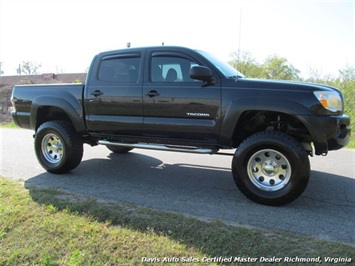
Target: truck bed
x: 27, y: 95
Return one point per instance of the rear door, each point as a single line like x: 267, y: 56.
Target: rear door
x: 114, y: 94
x: 176, y: 106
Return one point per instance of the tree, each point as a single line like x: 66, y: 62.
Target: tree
x: 346, y: 83
x: 30, y: 68
x: 316, y: 76
x: 348, y: 73
x: 5, y: 103
x: 246, y: 64
x: 276, y: 67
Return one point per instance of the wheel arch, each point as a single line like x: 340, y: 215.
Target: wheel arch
x: 48, y: 108
x: 245, y: 117
x: 254, y: 121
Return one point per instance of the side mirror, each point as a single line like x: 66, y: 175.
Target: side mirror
x: 201, y: 73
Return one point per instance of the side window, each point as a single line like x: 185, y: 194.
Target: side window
x: 171, y: 69
x: 119, y: 69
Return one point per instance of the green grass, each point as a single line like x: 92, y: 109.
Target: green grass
x: 48, y: 227
x: 351, y: 145
x: 8, y: 125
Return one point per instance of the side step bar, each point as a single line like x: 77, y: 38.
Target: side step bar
x: 160, y: 147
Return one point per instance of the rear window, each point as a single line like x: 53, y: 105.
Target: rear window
x: 119, y: 69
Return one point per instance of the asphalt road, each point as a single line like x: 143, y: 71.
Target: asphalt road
x: 196, y: 185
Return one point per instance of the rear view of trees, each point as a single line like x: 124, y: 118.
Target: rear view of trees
x: 29, y: 68
x: 274, y: 67
x: 246, y: 64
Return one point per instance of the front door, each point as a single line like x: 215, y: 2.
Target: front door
x: 176, y: 106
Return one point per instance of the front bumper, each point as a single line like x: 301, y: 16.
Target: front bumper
x: 328, y: 132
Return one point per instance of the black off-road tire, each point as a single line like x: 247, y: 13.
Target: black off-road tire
x: 271, y: 168
x: 118, y: 149
x: 58, y: 147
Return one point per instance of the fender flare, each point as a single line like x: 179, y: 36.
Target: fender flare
x: 71, y: 107
x: 238, y: 106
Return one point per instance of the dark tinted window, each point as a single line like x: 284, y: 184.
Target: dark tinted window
x: 120, y: 69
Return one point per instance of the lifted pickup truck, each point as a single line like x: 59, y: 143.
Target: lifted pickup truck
x: 184, y: 100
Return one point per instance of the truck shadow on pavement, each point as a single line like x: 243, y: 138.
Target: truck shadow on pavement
x: 326, y: 210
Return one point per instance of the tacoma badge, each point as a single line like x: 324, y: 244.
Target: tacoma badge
x: 198, y: 114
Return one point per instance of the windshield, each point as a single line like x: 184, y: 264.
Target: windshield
x: 226, y: 69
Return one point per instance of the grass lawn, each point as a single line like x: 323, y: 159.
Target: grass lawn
x: 8, y: 125
x: 352, y: 143
x: 49, y: 227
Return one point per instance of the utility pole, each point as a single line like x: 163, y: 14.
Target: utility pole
x: 240, y: 31
x: 1, y: 72
x: 18, y: 70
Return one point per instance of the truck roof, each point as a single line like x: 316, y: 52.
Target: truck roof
x: 136, y: 49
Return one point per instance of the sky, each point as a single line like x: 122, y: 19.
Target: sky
x: 63, y: 36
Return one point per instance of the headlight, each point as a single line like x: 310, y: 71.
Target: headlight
x: 331, y: 100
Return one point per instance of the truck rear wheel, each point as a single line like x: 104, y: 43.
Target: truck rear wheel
x: 271, y: 168
x: 58, y: 147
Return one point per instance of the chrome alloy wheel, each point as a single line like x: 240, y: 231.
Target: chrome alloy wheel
x: 269, y: 170
x: 52, y: 148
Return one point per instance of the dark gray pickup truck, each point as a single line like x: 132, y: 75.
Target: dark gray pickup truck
x: 184, y: 100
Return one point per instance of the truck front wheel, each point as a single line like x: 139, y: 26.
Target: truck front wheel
x: 58, y: 147
x: 118, y: 149
x: 271, y: 168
